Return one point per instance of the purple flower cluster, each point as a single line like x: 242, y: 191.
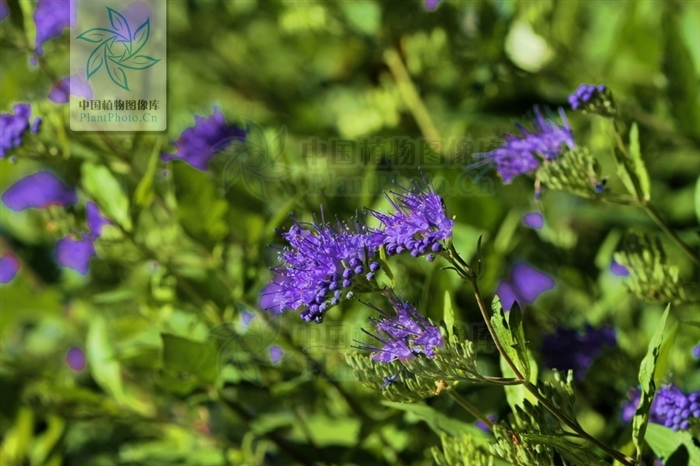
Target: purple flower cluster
x: 671, y: 407
x: 197, y: 145
x: 418, y: 225
x: 12, y: 126
x: 523, y: 153
x: 403, y: 336
x: 9, y: 266
x: 75, y: 84
x: 325, y: 264
x: 44, y: 189
x: 431, y: 4
x: 570, y: 349
x: 319, y: 268
x: 50, y: 18
x: 585, y: 94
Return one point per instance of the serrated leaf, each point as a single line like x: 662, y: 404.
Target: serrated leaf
x: 572, y: 452
x: 511, y: 335
x: 665, y: 442
x: 648, y: 387
x: 638, y: 163
x: 106, y: 191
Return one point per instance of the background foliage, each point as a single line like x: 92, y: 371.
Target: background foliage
x: 176, y: 375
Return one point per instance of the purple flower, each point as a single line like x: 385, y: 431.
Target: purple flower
x: 431, y: 4
x: 75, y: 254
x: 534, y: 220
x: 696, y: 351
x: 618, y: 269
x: 321, y: 266
x: 13, y: 126
x: 276, y: 354
x: 525, y: 286
x: 75, y: 358
x: 50, y: 17
x: 209, y: 136
x: 75, y: 84
x: 4, y: 10
x: 247, y: 318
x: 570, y: 349
x: 418, y: 225
x: 524, y: 153
x: 403, y: 336
x: 95, y: 219
x: 671, y: 407
x: 39, y: 190
x: 9, y: 266
x: 585, y: 94
x: 482, y: 425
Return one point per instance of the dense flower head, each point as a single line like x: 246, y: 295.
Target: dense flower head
x: 320, y: 267
x: 571, y: 349
x: 586, y: 94
x: 524, y: 286
x: 671, y: 407
x: 404, y: 335
x: 50, y: 17
x: 524, y: 153
x: 198, y: 144
x: 9, y: 266
x: 39, y: 190
x: 418, y: 225
x: 13, y: 126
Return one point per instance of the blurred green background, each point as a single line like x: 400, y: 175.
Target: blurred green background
x: 175, y: 375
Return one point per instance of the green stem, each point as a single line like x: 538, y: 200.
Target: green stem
x: 654, y: 214
x: 533, y: 389
x: 470, y: 408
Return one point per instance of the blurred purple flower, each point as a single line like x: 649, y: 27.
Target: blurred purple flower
x: 696, y: 351
x: 9, y: 266
x: 671, y: 407
x: 618, y: 269
x: 276, y: 354
x: 50, y: 17
x: 209, y: 136
x: 525, y: 286
x: 585, y: 94
x: 419, y: 223
x: 524, y: 153
x: 570, y: 349
x: 482, y: 425
x: 534, y: 220
x: 75, y: 358
x: 431, y: 4
x: 4, y: 10
x: 247, y: 318
x: 403, y: 336
x: 75, y: 254
x: 39, y: 190
x: 75, y: 84
x: 12, y: 126
x: 95, y: 219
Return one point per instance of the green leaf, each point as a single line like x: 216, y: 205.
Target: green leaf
x: 105, y: 190
x: 143, y: 196
x: 646, y: 382
x: 697, y: 199
x: 572, y: 452
x: 363, y: 16
x: 661, y: 369
x: 188, y: 364
x: 101, y: 358
x: 511, y: 335
x: 448, y: 312
x: 640, y: 169
x: 682, y: 80
x: 664, y: 442
x: 437, y: 421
